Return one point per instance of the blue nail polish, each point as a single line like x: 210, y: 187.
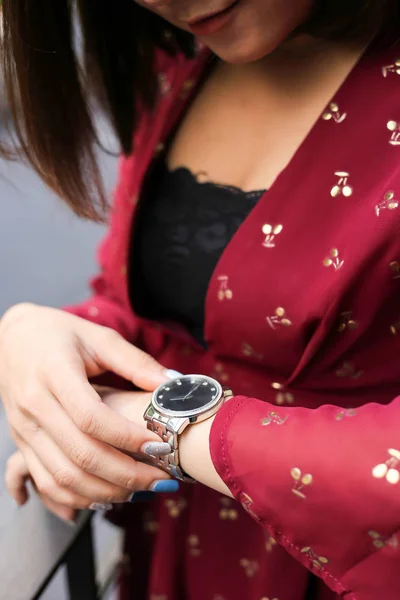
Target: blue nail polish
x: 142, y: 497
x: 165, y: 486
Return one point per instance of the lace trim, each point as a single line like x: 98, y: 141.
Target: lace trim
x: 195, y: 178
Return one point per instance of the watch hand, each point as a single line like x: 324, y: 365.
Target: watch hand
x: 187, y: 395
x: 192, y: 390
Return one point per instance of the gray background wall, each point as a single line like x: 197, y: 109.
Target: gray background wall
x: 46, y: 256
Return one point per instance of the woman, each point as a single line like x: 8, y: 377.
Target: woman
x: 262, y: 170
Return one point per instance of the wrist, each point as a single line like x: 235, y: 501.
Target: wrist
x: 195, y: 456
x: 183, y: 404
x: 132, y: 405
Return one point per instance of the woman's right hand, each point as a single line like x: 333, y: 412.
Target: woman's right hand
x: 56, y: 417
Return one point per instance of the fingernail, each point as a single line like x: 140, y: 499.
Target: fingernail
x: 171, y: 374
x: 165, y: 486
x: 98, y: 506
x: 141, y: 497
x: 156, y: 448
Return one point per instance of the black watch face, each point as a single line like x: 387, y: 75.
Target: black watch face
x: 188, y: 394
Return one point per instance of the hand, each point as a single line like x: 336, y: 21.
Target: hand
x: 17, y: 476
x: 69, y: 438
x: 131, y: 405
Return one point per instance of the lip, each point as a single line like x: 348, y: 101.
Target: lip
x: 212, y: 23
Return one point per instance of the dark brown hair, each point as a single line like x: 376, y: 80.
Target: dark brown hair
x: 55, y: 77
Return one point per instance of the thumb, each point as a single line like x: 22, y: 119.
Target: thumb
x: 114, y: 353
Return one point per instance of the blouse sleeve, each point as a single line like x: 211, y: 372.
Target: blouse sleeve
x: 105, y: 306
x: 325, y: 483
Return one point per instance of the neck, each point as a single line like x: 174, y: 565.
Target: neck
x: 304, y: 62
x: 307, y: 50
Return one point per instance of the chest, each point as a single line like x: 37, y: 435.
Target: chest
x: 318, y: 243
x: 247, y: 122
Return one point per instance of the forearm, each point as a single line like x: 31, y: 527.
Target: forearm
x: 323, y: 482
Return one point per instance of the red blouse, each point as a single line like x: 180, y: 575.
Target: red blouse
x: 307, y: 335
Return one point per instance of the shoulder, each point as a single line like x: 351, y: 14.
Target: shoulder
x: 177, y: 79
x: 172, y: 71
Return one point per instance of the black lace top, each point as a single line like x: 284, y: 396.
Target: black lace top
x: 182, y: 228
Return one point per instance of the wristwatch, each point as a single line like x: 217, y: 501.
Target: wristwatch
x: 180, y: 402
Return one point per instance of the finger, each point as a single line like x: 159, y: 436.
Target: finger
x: 64, y: 475
x: 69, y: 476
x: 92, y: 417
x: 87, y: 454
x: 62, y: 512
x: 16, y: 477
x: 47, y: 486
x: 113, y: 353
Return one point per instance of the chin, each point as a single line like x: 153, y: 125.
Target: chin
x: 246, y: 51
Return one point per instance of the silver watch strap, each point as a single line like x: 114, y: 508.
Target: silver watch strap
x: 170, y: 463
